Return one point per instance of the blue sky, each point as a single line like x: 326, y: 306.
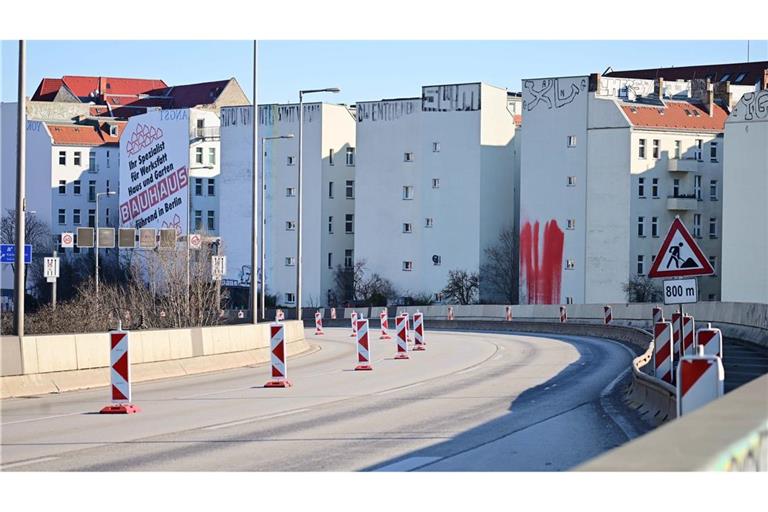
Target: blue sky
x: 364, y: 70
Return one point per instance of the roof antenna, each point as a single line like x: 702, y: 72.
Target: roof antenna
x: 608, y: 69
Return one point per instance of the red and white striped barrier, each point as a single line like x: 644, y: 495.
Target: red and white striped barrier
x: 689, y: 328
x: 418, y: 329
x: 363, y: 347
x: 318, y: 324
x: 333, y: 313
x: 699, y: 381
x: 563, y: 314
x: 676, y: 333
x: 408, y: 331
x: 120, y: 375
x: 450, y: 312
x: 607, y: 315
x: 508, y: 313
x: 279, y: 364
x: 663, y: 355
x: 658, y: 315
x: 401, y: 326
x: 353, y: 319
x: 384, y: 325
x: 711, y: 339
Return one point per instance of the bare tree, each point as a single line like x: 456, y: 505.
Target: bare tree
x: 36, y: 233
x: 499, y: 274
x: 462, y: 287
x: 352, y: 285
x: 642, y: 289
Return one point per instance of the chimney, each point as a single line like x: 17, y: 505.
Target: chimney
x: 659, y: 88
x: 710, y: 100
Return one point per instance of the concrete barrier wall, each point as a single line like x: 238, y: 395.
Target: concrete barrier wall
x: 43, y: 364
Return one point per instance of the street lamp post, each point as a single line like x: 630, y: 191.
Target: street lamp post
x: 299, y: 193
x: 96, y: 237
x: 264, y: 219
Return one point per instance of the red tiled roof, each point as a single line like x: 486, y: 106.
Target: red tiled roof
x: 83, y: 86
x: 84, y: 134
x: 677, y: 115
x: 192, y: 95
x: 47, y: 89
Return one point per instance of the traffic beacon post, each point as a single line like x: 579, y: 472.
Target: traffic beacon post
x: 678, y: 262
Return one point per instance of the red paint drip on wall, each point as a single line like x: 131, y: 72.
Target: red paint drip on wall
x: 542, y: 275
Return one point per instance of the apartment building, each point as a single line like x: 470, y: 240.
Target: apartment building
x: 436, y: 182
x: 745, y: 209
x: 328, y: 196
x: 607, y: 164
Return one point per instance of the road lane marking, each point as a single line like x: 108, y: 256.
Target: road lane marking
x: 468, y: 370
x: 408, y: 464
x: 251, y: 420
x: 398, y: 389
x: 26, y: 463
x: 44, y: 418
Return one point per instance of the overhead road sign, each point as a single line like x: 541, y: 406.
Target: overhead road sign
x: 126, y: 238
x: 147, y: 238
x: 85, y: 238
x: 106, y: 238
x: 679, y: 256
x: 8, y: 253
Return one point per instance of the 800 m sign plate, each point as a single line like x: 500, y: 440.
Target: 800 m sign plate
x: 680, y: 291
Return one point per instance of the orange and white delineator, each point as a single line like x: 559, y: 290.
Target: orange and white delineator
x: 318, y: 323
x: 663, y: 355
x: 687, y: 347
x: 508, y: 313
x: 700, y: 380
x: 711, y: 339
x: 563, y: 314
x: 120, y: 374
x: 363, y: 347
x: 658, y: 315
x: 450, y: 312
x: 607, y: 315
x: 353, y: 319
x: 279, y: 364
x: 676, y: 334
x: 401, y: 326
x: 384, y: 325
x: 333, y: 313
x: 418, y: 329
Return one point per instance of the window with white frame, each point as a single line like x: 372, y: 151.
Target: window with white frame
x: 350, y: 156
x: 428, y: 222
x: 290, y: 261
x: 62, y: 216
x: 675, y: 187
x: 76, y: 216
x: 697, y: 225
x: 713, y: 152
x: 407, y: 227
x: 570, y: 264
x: 569, y: 300
x: 211, y: 187
x: 349, y: 223
x: 330, y: 224
x: 330, y: 260
x: 407, y: 192
x: 330, y: 190
x: 290, y: 192
x: 330, y: 158
x: 198, y: 220
x: 348, y: 256
x: 91, y: 190
x: 640, y: 265
x: 571, y: 181
x: 408, y: 156
x: 655, y: 227
x: 289, y: 160
x: 713, y: 195
x: 350, y: 189
x: 570, y: 224
x: 641, y: 187
x: 407, y: 266
x: 76, y: 187
x: 641, y: 226
x: 655, y: 188
x: 199, y: 156
x: 92, y: 162
x: 290, y: 298
x: 699, y: 145
x: 571, y: 141
x: 437, y: 259
x: 656, y: 148
x: 435, y: 147
x: 62, y: 187
x: 713, y: 227
x: 78, y: 158
x: 198, y: 186
x: 641, y: 148
x: 62, y: 158
x: 435, y: 182
x: 91, y: 218
x: 290, y: 225
x: 678, y: 147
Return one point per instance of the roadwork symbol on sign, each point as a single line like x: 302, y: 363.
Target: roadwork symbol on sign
x: 679, y: 255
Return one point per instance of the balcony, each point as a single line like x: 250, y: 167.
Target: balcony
x: 682, y: 203
x: 683, y: 165
x: 205, y: 133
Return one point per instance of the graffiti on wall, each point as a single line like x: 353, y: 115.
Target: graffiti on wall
x: 385, y: 110
x: 627, y: 88
x: 450, y: 98
x: 269, y: 115
x: 541, y: 262
x: 52, y: 111
x: 552, y: 92
x: 234, y: 116
x: 753, y: 106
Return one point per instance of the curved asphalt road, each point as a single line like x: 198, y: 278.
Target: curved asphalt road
x: 471, y: 401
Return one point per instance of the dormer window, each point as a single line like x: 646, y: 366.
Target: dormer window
x: 113, y: 130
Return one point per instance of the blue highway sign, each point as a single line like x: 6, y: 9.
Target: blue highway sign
x: 8, y: 253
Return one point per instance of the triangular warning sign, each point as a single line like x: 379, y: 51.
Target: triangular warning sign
x: 679, y: 255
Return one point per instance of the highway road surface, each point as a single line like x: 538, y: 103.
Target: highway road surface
x: 472, y: 401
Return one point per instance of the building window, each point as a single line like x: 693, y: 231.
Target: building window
x: 655, y: 188
x: 78, y: 158
x: 211, y: 187
x: 211, y: 220
x: 713, y: 152
x: 641, y: 149
x: 656, y: 147
x: 407, y: 266
x: 330, y: 158
x: 198, y: 220
x: 437, y: 259
x: 212, y: 156
x: 107, y: 185
x: 330, y: 189
x: 655, y: 227
x: 106, y: 216
x: 62, y: 158
x: 350, y: 192
x: 699, y: 144
x: 569, y: 300
x: 62, y: 216
x: 348, y: 258
x: 330, y: 224
x: 570, y: 264
x: 91, y: 190
x: 435, y: 147
x: 290, y: 298
x: 641, y: 187
x: 199, y: 156
x: 91, y: 218
x: 407, y: 227
x: 697, y: 187
x: 697, y: 225
x: 571, y: 141
x: 76, y: 216
x: 408, y: 156
x: 62, y: 187
x: 350, y: 156
x: 92, y: 162
x: 407, y: 192
x: 641, y: 226
x: 678, y: 146
x: 290, y: 225
x: 198, y: 186
x: 570, y: 224
x: 428, y: 222
x: 290, y: 261
x: 675, y: 187
x: 435, y: 182
x: 713, y: 262
x: 289, y: 160
x: 713, y: 190
x: 349, y: 220
x: 290, y: 192
x: 713, y: 227
x: 330, y: 260
x: 640, y: 265
x: 571, y: 181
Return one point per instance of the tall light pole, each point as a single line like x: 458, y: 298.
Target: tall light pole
x: 96, y: 237
x: 264, y: 218
x: 21, y: 198
x: 299, y: 193
x: 254, y: 184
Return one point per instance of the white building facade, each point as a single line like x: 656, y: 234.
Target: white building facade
x: 328, y: 196
x: 436, y: 182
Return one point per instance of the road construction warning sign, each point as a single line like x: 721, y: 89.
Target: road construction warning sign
x: 679, y: 255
